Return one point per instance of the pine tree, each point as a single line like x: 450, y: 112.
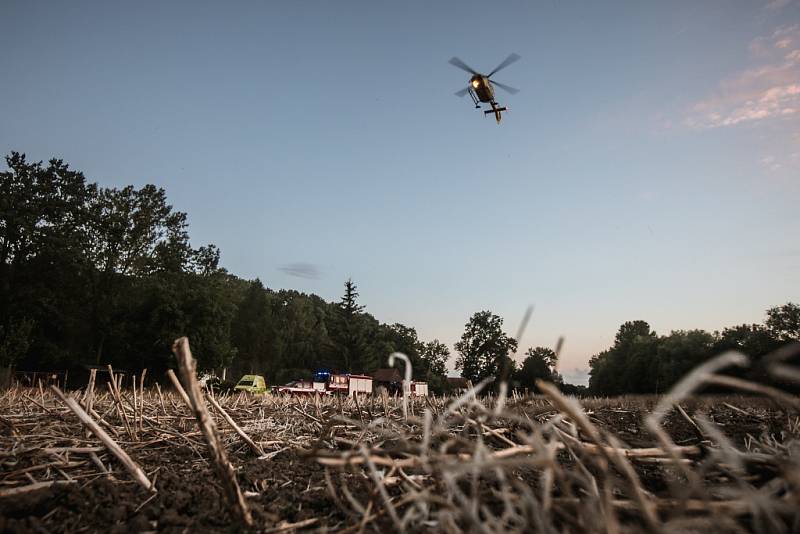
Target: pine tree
x: 350, y: 308
x: 350, y: 333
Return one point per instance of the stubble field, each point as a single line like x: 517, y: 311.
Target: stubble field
x: 478, y: 462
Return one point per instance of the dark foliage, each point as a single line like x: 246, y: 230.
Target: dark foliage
x: 539, y: 364
x: 640, y: 361
x: 92, y: 275
x: 484, y: 349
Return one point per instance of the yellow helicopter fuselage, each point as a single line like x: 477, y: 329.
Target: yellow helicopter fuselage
x: 482, y: 88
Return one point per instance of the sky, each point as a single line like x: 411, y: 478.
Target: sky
x: 649, y: 167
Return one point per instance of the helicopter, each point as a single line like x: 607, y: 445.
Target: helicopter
x: 480, y: 86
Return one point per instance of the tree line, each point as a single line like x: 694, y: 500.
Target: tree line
x: 486, y: 353
x: 92, y: 275
x: 641, y: 361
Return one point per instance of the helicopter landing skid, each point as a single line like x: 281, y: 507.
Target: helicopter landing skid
x: 474, y: 98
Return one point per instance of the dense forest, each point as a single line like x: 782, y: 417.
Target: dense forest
x: 94, y: 276
x: 641, y: 361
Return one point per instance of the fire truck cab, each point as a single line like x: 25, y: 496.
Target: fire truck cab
x: 342, y: 383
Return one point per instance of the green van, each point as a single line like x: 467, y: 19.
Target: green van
x: 252, y: 384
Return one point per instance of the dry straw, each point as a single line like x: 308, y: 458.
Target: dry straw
x: 476, y: 462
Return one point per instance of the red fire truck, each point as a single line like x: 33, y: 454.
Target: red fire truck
x: 326, y: 383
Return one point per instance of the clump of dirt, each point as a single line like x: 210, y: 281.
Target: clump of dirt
x: 286, y: 488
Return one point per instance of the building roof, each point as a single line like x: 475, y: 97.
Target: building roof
x: 390, y: 374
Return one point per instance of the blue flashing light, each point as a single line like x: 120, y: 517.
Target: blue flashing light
x: 322, y: 375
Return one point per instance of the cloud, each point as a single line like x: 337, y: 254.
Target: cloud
x: 768, y: 91
x: 777, y: 4
x: 770, y: 163
x: 783, y: 31
x: 301, y: 270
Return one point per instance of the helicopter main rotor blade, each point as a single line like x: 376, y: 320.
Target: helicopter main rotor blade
x: 505, y: 87
x: 462, y: 92
x: 461, y: 65
x: 508, y: 61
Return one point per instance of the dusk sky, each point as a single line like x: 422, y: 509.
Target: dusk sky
x: 649, y: 167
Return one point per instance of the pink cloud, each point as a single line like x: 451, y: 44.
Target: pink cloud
x: 786, y: 30
x: 778, y: 4
x: 766, y: 92
x: 770, y: 163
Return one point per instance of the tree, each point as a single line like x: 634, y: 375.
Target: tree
x: 539, y: 364
x: 630, y: 331
x: 754, y: 340
x: 350, y: 335
x: 642, y: 362
x: 253, y: 330
x: 164, y: 306
x: 133, y: 233
x: 434, y: 361
x: 484, y: 348
x: 401, y: 338
x: 14, y: 342
x: 136, y: 232
x: 784, y: 322
x: 302, y: 337
x: 629, y: 365
x: 675, y: 355
x: 601, y: 378
x: 349, y: 304
x: 375, y: 347
x: 40, y: 207
x: 205, y: 260
x: 42, y: 239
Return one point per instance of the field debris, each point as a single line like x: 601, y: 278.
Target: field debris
x: 216, y: 449
x: 478, y: 462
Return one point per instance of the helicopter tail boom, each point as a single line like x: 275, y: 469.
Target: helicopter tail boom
x: 497, y: 112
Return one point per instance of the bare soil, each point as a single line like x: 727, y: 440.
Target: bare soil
x: 290, y: 488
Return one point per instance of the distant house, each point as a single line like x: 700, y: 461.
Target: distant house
x: 389, y: 378
x: 458, y: 384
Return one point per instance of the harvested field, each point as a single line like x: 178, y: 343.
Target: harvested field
x: 489, y: 464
